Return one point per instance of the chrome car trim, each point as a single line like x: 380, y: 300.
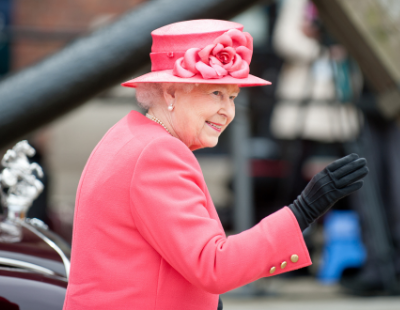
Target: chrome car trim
x: 64, y: 258
x: 37, y: 223
x: 25, y: 265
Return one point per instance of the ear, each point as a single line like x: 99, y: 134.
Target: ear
x: 169, y: 92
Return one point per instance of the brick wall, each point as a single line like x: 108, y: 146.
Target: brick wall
x: 41, y: 27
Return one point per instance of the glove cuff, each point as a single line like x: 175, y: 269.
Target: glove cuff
x: 299, y: 217
x: 303, y: 212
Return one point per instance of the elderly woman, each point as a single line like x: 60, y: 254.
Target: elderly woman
x: 146, y: 232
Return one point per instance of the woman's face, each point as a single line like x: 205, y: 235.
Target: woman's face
x: 200, y: 116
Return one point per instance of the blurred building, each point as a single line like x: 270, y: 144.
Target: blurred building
x: 32, y: 31
x: 5, y: 17
x: 40, y: 28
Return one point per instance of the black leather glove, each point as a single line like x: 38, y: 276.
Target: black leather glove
x: 336, y: 181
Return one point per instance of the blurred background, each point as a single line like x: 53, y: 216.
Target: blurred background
x: 335, y: 72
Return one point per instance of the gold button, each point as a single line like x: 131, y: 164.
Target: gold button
x: 283, y: 265
x: 294, y: 258
x: 272, y: 270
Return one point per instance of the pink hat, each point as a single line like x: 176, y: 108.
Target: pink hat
x: 203, y: 51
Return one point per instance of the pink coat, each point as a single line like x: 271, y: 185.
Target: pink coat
x: 147, y: 235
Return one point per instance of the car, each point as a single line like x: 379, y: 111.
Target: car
x: 34, y: 261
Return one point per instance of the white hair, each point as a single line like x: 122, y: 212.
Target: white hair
x: 148, y: 94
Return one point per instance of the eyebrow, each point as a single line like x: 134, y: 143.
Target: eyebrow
x: 226, y: 90
x: 236, y: 92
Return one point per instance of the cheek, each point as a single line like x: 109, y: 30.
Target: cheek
x: 201, y: 115
x: 191, y: 124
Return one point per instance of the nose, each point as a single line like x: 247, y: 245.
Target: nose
x: 228, y: 109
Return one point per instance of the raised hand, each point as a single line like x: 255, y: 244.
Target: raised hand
x: 337, y: 180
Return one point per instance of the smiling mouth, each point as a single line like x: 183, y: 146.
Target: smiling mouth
x: 214, y: 126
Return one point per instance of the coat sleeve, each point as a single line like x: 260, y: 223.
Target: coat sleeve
x: 168, y: 203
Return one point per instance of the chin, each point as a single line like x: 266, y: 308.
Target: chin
x: 211, y: 142
x: 205, y: 143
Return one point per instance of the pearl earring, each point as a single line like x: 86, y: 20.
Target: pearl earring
x: 171, y: 107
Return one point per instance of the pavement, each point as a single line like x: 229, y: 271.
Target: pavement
x: 303, y: 293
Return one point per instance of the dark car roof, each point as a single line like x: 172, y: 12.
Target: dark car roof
x: 25, y: 290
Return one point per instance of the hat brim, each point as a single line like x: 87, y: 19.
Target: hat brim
x: 166, y: 76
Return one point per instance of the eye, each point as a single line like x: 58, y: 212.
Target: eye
x: 232, y: 97
x: 217, y: 93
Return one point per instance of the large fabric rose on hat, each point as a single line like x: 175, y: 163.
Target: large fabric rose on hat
x: 230, y: 54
